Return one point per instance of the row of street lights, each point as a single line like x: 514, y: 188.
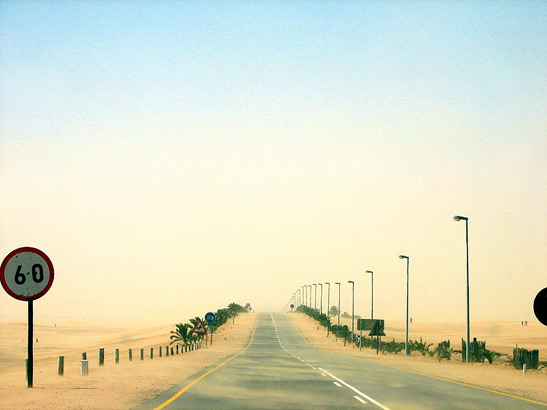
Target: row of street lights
x: 301, y: 294
x: 300, y: 297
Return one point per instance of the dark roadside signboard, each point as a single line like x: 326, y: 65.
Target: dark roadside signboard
x: 374, y: 326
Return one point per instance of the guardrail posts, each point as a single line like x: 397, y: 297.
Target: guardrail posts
x: 61, y: 366
x: 101, y: 356
x: 84, y: 368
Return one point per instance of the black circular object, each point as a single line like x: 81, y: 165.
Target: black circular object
x: 540, y: 306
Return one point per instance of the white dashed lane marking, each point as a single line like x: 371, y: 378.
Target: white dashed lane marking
x: 355, y: 390
x: 338, y: 382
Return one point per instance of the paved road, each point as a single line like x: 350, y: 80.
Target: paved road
x: 281, y: 371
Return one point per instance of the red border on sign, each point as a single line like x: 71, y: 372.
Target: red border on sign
x: 197, y: 324
x: 3, y: 269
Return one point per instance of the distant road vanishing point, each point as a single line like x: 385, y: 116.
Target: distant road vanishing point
x: 279, y: 370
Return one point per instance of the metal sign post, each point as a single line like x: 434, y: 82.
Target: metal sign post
x: 27, y: 274
x: 210, y: 317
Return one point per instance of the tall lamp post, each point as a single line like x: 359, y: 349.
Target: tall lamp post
x: 352, y: 306
x: 321, y: 299
x: 339, y: 286
x: 464, y: 218
x: 372, y: 298
x: 407, y: 268
x: 315, y: 296
x: 309, y: 293
x: 328, y: 298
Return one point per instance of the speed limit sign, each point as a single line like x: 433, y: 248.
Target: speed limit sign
x: 26, y: 273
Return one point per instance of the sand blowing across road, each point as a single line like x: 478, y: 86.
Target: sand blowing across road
x: 500, y: 336
x: 113, y: 386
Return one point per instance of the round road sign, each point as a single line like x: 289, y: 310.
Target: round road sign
x: 210, y: 317
x: 540, y: 306
x: 26, y: 273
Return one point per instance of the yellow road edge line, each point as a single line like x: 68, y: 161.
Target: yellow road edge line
x: 428, y: 375
x: 181, y: 392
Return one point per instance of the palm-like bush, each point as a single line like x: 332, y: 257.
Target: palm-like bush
x: 422, y: 347
x: 444, y: 351
x: 490, y: 355
x: 181, y: 334
x: 390, y: 347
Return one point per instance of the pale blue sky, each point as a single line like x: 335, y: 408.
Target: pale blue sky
x: 246, y: 148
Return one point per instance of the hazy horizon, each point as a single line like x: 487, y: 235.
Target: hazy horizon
x: 173, y: 157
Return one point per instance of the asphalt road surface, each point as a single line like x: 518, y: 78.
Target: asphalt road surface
x: 279, y: 370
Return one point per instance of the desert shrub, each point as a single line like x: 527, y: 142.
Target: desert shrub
x: 422, y: 347
x: 444, y: 351
x: 490, y: 355
x: 392, y: 346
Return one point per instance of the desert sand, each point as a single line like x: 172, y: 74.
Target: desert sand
x: 112, y: 386
x: 500, y: 336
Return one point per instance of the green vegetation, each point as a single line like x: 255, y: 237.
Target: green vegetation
x: 322, y: 318
x: 444, y: 351
x: 422, y: 347
x: 183, y: 332
x: 490, y: 355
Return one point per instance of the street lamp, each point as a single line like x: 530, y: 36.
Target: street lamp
x: 407, y: 267
x: 372, y: 307
x: 321, y: 299
x: 352, y: 306
x: 328, y: 298
x: 339, y: 286
x: 309, y: 293
x: 464, y: 218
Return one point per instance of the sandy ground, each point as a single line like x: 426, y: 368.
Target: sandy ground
x: 500, y: 336
x: 112, y: 386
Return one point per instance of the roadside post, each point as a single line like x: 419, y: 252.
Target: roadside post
x: 210, y: 317
x: 27, y: 274
x: 233, y: 314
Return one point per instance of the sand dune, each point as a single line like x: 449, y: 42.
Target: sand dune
x: 113, y: 386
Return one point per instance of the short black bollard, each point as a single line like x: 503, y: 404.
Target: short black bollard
x: 61, y: 366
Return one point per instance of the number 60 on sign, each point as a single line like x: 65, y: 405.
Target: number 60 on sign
x: 26, y: 273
